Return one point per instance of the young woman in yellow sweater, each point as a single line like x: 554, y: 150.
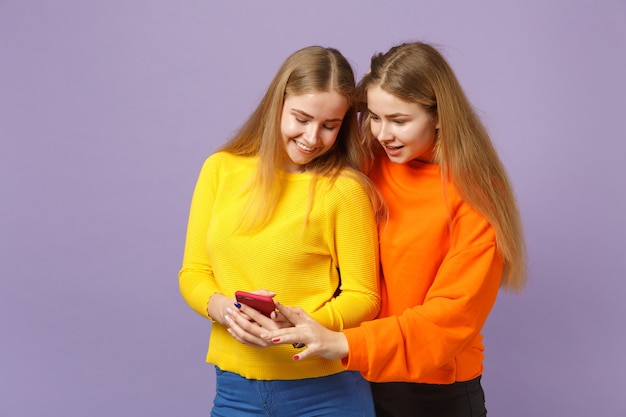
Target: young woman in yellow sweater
x: 284, y: 209
x: 452, y: 239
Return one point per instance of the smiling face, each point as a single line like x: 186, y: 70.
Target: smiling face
x: 404, y: 128
x: 309, y: 126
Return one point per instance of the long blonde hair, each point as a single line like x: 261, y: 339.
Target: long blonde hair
x: 311, y: 69
x: 417, y: 72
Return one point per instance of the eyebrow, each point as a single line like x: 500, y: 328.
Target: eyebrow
x: 305, y: 114
x: 390, y: 116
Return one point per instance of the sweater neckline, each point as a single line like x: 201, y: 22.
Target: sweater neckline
x: 294, y: 176
x: 415, y: 164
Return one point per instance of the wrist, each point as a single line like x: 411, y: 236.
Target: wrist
x: 342, y: 346
x: 215, y: 307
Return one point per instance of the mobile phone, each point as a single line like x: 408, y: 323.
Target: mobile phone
x: 261, y: 303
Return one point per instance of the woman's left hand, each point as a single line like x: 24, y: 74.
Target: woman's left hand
x: 306, y: 332
x: 247, y: 325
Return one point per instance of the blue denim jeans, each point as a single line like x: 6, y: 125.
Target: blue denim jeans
x: 344, y: 394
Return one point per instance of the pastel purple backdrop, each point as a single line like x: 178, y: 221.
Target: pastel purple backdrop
x: 108, y: 108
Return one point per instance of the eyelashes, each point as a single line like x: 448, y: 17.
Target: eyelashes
x: 327, y: 127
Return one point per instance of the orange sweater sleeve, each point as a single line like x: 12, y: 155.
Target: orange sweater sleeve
x: 441, y: 275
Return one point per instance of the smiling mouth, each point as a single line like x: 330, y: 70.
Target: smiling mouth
x: 303, y: 146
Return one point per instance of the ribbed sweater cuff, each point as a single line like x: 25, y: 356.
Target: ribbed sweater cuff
x: 357, y: 349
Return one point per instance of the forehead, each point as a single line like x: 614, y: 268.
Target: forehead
x: 379, y: 100
x: 318, y: 103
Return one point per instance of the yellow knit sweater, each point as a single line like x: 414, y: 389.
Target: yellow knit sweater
x: 299, y: 263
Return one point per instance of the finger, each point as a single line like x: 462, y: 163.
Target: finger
x: 290, y: 335
x: 235, y: 336
x: 302, y: 355
x: 259, y: 318
x: 280, y: 319
x: 243, y: 330
x: 244, y: 341
x: 293, y: 315
x: 238, y: 305
x: 242, y: 321
x: 236, y: 332
x: 264, y: 292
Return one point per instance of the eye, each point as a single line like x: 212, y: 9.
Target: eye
x: 399, y: 122
x: 373, y: 117
x: 328, y: 127
x: 302, y: 121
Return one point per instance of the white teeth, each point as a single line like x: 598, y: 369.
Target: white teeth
x: 303, y: 147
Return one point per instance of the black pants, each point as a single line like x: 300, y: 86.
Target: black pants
x: 405, y: 399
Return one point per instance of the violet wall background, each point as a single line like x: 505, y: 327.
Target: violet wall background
x: 108, y: 108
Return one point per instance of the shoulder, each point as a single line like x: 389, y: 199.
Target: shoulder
x: 349, y: 182
x: 220, y: 161
x: 222, y: 157
x: 347, y: 190
x: 466, y: 220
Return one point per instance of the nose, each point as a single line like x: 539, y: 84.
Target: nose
x: 384, y: 132
x: 312, y: 133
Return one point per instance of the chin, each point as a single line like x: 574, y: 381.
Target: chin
x: 397, y: 159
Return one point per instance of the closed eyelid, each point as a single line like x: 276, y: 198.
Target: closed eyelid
x: 305, y: 117
x: 301, y: 113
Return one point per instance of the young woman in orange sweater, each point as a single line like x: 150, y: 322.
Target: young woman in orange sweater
x: 453, y: 238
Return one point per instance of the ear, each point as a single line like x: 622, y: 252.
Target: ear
x: 436, y: 120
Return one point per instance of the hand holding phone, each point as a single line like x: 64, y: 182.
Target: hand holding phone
x: 261, y: 303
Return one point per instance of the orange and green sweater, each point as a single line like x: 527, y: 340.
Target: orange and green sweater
x: 441, y: 273
x: 299, y: 262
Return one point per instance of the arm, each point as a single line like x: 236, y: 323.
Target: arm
x: 350, y: 234
x: 423, y: 338
x: 353, y: 239
x: 196, y: 281
x: 429, y: 337
x: 423, y: 342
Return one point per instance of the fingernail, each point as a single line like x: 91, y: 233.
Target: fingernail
x: 238, y: 305
x: 296, y: 358
x: 276, y: 340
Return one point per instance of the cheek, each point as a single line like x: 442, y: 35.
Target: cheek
x: 288, y: 128
x: 375, y: 129
x: 329, y: 138
x: 424, y: 136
